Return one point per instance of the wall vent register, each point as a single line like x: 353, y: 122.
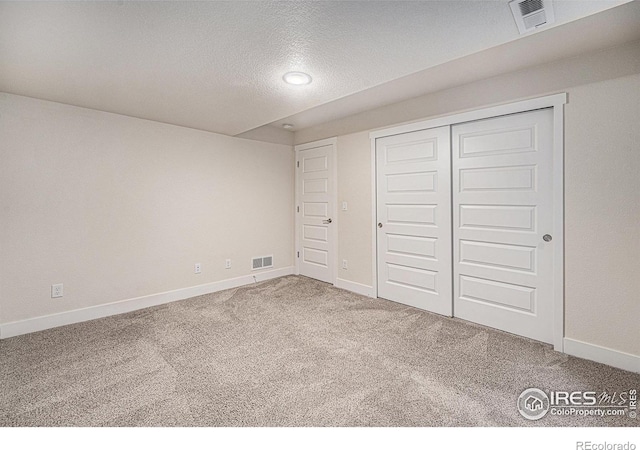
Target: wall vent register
x: 261, y: 262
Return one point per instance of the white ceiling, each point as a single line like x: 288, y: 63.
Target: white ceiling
x: 217, y: 66
x: 611, y: 28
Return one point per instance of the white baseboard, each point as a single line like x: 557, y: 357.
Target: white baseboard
x: 11, y: 329
x: 604, y: 355
x: 352, y: 286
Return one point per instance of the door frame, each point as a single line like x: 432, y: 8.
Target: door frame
x: 333, y: 192
x: 557, y: 102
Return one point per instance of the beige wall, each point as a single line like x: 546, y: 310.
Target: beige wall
x: 602, y: 214
x: 558, y: 76
x: 602, y: 197
x: 354, y: 224
x: 116, y: 207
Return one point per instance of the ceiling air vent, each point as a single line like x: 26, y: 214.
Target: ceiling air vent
x: 532, y: 14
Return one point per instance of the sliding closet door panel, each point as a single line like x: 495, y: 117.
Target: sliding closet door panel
x: 502, y: 208
x: 414, y: 219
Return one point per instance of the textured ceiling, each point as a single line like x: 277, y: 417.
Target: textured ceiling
x: 217, y: 66
x: 610, y: 28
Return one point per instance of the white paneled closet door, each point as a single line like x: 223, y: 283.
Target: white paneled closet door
x: 414, y: 219
x: 502, y: 223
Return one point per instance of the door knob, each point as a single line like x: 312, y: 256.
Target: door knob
x: 547, y: 238
x: 379, y: 224
x: 327, y: 221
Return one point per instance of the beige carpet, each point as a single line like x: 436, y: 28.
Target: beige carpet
x: 286, y: 352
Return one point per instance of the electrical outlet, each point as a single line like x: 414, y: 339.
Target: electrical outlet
x: 227, y: 264
x: 344, y: 206
x: 57, y: 290
x: 197, y: 268
x: 344, y: 264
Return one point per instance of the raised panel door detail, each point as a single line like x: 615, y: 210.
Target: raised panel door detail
x: 494, y: 293
x: 316, y: 209
x: 314, y: 164
x: 513, y: 257
x: 315, y: 256
x: 315, y: 233
x: 415, y: 214
x: 412, y: 182
x: 412, y: 277
x: 498, y: 217
x: 424, y: 247
x: 496, y: 142
x: 424, y: 150
x: 315, y: 186
x: 521, y: 178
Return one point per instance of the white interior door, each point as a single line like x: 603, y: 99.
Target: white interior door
x: 315, y: 209
x: 503, y: 217
x: 414, y: 219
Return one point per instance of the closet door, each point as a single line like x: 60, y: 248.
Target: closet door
x: 503, y: 217
x: 414, y: 219
x: 316, y: 197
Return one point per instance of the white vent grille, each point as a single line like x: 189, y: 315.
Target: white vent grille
x: 530, y: 6
x: 261, y: 262
x: 532, y: 14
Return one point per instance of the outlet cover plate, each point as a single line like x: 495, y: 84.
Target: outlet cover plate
x: 57, y: 290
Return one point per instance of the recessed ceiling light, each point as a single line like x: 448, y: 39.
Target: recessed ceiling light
x: 287, y: 126
x: 297, y: 78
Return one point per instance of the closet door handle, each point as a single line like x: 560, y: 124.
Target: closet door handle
x: 327, y: 221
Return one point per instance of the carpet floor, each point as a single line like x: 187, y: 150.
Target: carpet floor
x: 286, y: 352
